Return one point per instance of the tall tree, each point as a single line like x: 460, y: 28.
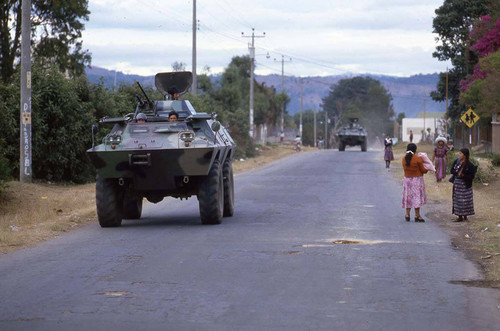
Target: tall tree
x: 178, y: 66
x: 452, y: 24
x: 361, y: 97
x: 56, y: 29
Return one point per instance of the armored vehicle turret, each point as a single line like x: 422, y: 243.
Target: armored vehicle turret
x: 163, y: 149
x: 352, y: 135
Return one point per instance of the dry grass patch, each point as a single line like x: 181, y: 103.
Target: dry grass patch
x: 480, y: 237
x: 30, y: 213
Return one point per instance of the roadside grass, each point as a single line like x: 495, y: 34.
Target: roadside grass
x: 480, y: 237
x: 32, y: 213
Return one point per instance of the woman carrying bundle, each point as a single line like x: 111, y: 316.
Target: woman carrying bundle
x: 388, y: 155
x: 413, y: 183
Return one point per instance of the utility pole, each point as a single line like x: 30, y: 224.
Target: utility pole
x: 283, y: 91
x: 326, y: 131
x: 314, y: 127
x: 195, y: 27
x: 301, y: 102
x: 25, y: 175
x: 251, y: 47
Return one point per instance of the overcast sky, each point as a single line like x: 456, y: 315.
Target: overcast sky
x: 317, y: 37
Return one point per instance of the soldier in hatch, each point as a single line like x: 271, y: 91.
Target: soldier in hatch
x: 141, y: 118
x: 173, y: 116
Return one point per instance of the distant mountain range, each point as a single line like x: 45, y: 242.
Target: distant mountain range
x: 408, y: 93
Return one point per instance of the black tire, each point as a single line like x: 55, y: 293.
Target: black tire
x: 227, y: 174
x: 363, y: 146
x: 211, y: 196
x: 132, y: 208
x: 109, y: 203
x: 341, y: 147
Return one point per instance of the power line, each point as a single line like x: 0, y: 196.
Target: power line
x: 233, y: 14
x: 241, y: 17
x: 175, y: 17
x: 216, y: 17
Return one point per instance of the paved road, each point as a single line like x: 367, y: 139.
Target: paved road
x: 273, y: 266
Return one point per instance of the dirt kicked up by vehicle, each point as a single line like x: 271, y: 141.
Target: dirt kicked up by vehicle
x: 164, y: 148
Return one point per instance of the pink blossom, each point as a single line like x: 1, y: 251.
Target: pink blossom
x: 487, y: 36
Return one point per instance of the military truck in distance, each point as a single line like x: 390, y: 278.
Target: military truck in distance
x: 352, y: 135
x: 159, y: 158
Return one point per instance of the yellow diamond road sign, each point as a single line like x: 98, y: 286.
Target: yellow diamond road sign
x: 469, y: 118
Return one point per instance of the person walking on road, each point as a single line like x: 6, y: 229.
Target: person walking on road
x: 463, y: 172
x: 414, y: 195
x: 440, y: 158
x: 388, y: 155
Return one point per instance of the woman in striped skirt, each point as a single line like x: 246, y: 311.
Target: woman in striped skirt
x: 440, y: 158
x: 464, y: 171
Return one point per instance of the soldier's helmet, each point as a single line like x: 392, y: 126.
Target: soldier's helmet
x: 141, y: 116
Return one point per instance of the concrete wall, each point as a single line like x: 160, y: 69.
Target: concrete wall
x: 495, y: 134
x: 417, y: 125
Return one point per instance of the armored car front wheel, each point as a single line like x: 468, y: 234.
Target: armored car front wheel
x: 132, y: 207
x: 211, y: 196
x: 227, y: 173
x: 109, y: 202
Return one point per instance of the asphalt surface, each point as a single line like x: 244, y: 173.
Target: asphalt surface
x: 274, y: 265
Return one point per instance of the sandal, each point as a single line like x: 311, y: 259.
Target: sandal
x: 458, y: 219
x: 419, y: 220
x: 407, y: 218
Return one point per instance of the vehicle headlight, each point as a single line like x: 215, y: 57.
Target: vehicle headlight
x: 187, y: 137
x: 114, y: 139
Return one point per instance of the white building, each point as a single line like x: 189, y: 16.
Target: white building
x: 433, y: 121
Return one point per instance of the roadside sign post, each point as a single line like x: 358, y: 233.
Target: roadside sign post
x: 470, y: 118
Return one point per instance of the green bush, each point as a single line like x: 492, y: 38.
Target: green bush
x: 495, y: 160
x: 452, y: 156
x: 4, y: 172
x: 61, y: 128
x: 483, y: 174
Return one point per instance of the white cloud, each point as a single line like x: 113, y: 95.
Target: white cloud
x: 377, y: 36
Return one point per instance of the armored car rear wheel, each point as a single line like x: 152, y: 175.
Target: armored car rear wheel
x: 364, y: 146
x: 227, y: 173
x: 132, y: 207
x: 109, y: 203
x: 211, y: 196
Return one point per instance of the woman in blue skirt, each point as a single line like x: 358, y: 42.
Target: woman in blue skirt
x: 463, y: 172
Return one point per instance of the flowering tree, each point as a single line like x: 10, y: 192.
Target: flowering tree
x: 483, y: 93
x: 480, y: 89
